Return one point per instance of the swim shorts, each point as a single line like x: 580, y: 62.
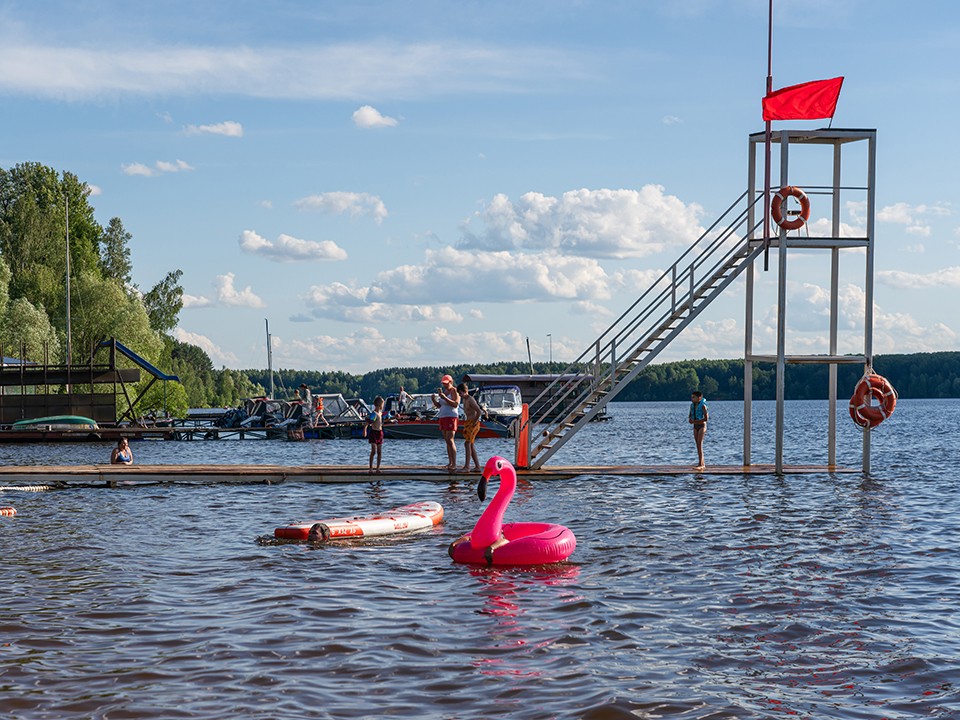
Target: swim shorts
x: 448, y: 424
x: 471, y: 429
x: 375, y: 437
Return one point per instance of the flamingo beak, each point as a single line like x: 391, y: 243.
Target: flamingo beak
x: 482, y: 488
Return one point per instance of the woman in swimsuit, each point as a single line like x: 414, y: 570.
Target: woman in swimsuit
x: 122, y: 454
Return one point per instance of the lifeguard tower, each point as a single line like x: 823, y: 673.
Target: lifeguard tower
x: 834, y: 167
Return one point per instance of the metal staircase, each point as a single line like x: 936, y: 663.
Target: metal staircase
x: 671, y: 303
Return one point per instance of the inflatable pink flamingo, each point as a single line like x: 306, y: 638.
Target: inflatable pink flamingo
x: 526, y: 543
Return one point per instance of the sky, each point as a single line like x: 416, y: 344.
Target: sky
x: 433, y: 183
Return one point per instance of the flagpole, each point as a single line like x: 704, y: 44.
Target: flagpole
x: 766, y: 146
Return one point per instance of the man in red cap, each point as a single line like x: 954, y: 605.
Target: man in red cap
x: 448, y: 400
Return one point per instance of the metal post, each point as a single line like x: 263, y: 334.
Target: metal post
x: 868, y: 281
x: 748, y: 316
x: 781, y: 309
x: 834, y: 310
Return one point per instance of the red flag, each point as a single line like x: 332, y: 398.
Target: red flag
x: 806, y: 101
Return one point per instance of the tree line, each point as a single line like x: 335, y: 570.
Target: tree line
x: 917, y: 375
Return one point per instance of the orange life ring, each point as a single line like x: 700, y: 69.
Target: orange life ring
x: 776, y: 208
x: 7, y: 511
x: 872, y: 387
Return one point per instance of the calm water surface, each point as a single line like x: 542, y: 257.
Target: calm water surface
x: 811, y: 596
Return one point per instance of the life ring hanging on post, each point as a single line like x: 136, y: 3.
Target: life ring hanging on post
x: 872, y: 387
x: 777, y: 209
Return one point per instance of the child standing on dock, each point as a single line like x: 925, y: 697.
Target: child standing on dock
x: 471, y: 427
x: 373, y: 431
x: 698, y: 418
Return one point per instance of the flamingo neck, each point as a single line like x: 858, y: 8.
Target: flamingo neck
x: 489, y: 526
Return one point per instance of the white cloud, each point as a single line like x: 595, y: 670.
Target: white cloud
x: 196, y: 301
x: 823, y: 227
x: 160, y: 167
x: 227, y: 294
x: 902, y: 213
x: 268, y: 204
x: 229, y: 128
x: 290, y: 249
x: 638, y: 281
x: 369, y: 117
x: 338, y: 203
x: 461, y: 276
x: 948, y: 277
x: 352, y: 352
x: 410, y: 292
x: 323, y: 72
x: 138, y: 169
x: 349, y: 304
x: 808, y: 325
x: 671, y: 120
x: 591, y: 223
x: 94, y: 190
x: 218, y: 355
x: 590, y: 309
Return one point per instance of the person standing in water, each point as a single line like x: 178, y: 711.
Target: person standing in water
x: 698, y: 418
x: 122, y: 454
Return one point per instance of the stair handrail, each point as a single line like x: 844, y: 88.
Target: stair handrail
x: 593, y: 350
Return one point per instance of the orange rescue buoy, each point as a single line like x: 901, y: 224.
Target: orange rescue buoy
x: 776, y: 208
x: 872, y: 387
x: 7, y: 510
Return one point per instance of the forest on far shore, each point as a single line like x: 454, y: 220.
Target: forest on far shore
x: 916, y: 375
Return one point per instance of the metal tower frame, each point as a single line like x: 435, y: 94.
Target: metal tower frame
x: 799, y: 140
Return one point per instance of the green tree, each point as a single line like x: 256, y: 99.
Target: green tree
x: 28, y: 327
x: 164, y: 301
x: 115, y: 253
x: 101, y: 310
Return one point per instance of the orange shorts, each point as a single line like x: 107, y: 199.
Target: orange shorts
x: 471, y: 428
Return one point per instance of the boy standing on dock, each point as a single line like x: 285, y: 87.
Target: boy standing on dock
x: 698, y: 418
x: 471, y: 427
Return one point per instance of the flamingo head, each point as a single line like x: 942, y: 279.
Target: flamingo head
x: 491, y: 470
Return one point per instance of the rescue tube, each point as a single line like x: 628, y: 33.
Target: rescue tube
x: 398, y: 520
x: 872, y: 387
x: 524, y: 543
x: 6, y: 510
x: 776, y: 208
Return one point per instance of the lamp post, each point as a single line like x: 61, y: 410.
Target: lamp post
x: 550, y: 340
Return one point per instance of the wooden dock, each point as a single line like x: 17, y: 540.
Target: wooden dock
x: 57, y: 476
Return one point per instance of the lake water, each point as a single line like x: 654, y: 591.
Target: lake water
x: 696, y: 596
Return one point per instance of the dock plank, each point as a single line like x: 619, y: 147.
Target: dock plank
x: 116, y: 475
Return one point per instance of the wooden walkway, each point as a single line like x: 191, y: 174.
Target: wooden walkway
x: 126, y: 475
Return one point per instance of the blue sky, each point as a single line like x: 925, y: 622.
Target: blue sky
x: 429, y: 183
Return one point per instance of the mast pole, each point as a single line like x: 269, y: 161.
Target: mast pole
x: 66, y: 199
x: 766, y: 146
x: 269, y: 357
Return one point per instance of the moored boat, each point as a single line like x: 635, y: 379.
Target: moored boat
x: 58, y: 423
x: 429, y: 428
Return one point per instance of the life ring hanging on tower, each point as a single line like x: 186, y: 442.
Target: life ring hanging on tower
x: 777, y: 209
x: 876, y: 387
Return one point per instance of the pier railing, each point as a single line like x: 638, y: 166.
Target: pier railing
x: 642, y: 332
